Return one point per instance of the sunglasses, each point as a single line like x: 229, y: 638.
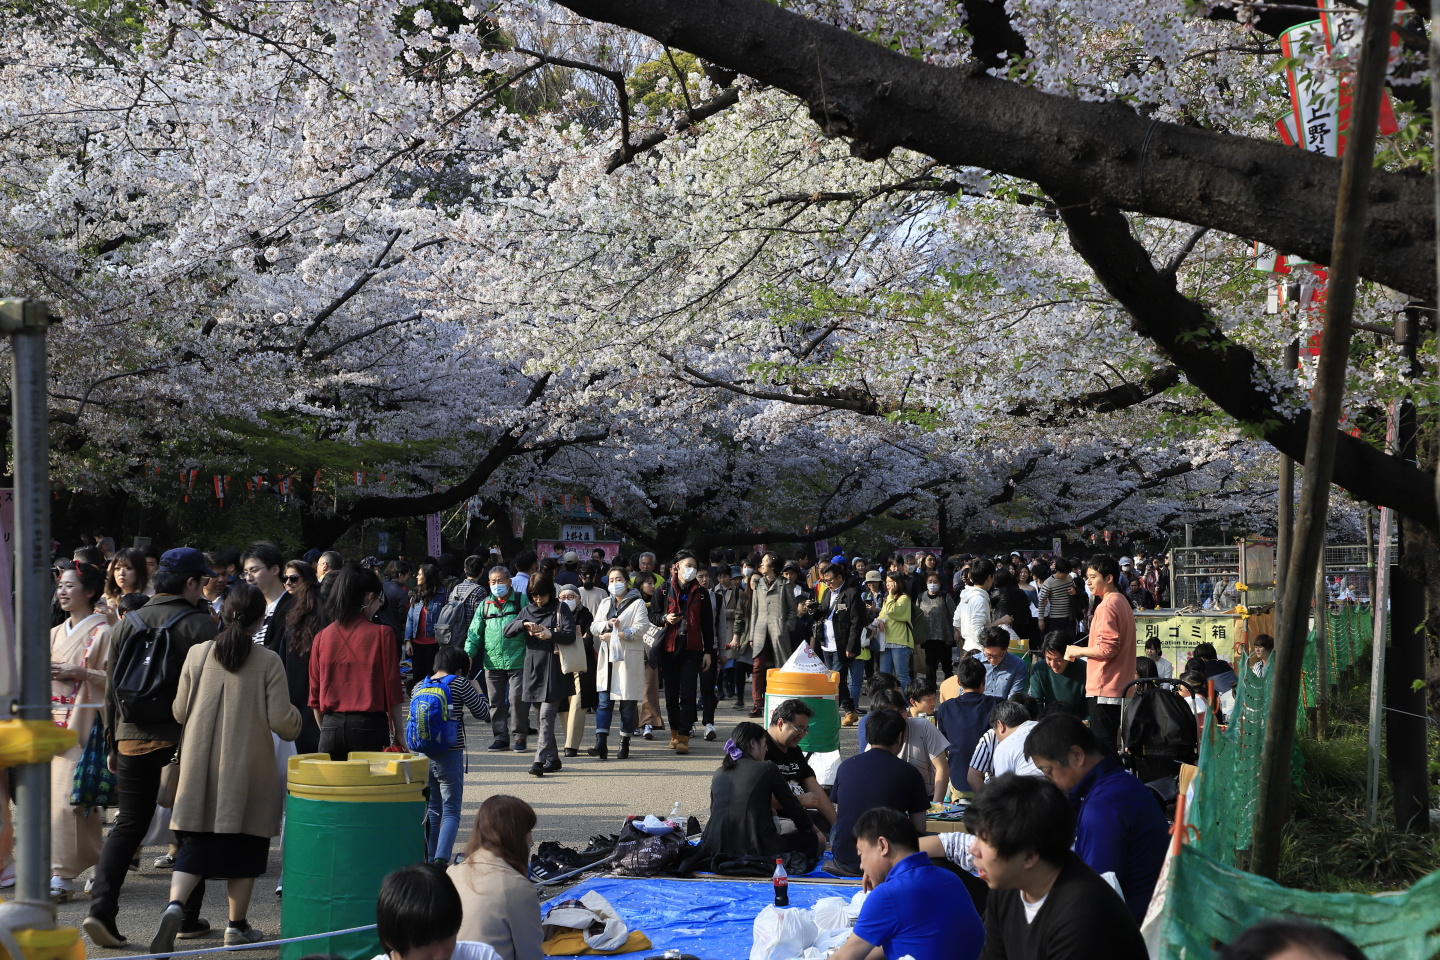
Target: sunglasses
x: 290, y: 578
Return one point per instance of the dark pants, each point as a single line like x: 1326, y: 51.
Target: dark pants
x: 741, y: 681
x: 757, y: 677
x: 937, y: 657
x: 681, y: 669
x: 341, y: 733
x: 507, y: 710
x: 137, y: 786
x: 708, y: 694
x: 422, y: 663
x: 1105, y: 721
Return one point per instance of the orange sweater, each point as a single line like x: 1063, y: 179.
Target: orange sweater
x: 1112, y: 647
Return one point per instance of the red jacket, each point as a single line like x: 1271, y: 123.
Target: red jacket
x: 696, y: 615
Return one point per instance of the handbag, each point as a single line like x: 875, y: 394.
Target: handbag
x: 572, y: 656
x: 94, y: 784
x: 170, y: 776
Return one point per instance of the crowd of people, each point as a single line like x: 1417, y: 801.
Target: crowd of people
x: 999, y: 680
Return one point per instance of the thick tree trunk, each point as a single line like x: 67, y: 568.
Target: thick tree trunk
x: 1106, y: 152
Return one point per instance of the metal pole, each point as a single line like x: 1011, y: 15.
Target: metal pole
x: 1189, y: 534
x: 1285, y: 514
x: 1272, y: 806
x: 26, y: 323
x: 1379, y: 607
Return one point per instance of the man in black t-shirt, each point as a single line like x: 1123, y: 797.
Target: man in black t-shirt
x: 875, y: 778
x: 788, y: 726
x: 1045, y: 903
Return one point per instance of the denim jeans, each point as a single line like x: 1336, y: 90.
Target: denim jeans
x: 442, y: 813
x: 606, y: 710
x: 896, y: 661
x: 852, y: 674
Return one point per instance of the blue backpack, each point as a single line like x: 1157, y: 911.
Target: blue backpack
x: 434, y: 724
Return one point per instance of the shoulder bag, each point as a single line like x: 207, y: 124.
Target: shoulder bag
x: 170, y: 776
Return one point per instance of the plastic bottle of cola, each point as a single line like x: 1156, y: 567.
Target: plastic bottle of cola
x: 782, y: 883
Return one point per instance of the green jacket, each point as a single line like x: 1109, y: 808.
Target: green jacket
x: 1048, y: 687
x: 486, y: 637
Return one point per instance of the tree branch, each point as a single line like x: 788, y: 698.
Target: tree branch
x: 693, y: 116
x: 1105, y: 152
x: 1225, y: 371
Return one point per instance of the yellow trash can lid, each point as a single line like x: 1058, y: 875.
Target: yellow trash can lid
x: 361, y: 770
x: 784, y: 683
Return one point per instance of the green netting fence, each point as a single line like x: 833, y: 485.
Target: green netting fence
x: 1208, y: 900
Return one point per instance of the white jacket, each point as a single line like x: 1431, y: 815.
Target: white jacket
x: 626, y: 654
x: 971, y: 616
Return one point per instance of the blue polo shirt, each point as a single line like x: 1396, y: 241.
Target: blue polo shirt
x: 921, y: 911
x: 1120, y: 829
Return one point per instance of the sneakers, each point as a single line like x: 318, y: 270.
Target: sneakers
x: 7, y: 876
x: 519, y: 746
x: 165, y: 862
x: 537, y: 770
x: 169, y: 927
x: 234, y: 936
x: 709, y: 731
x: 499, y: 743
x: 649, y: 732
x: 102, y: 933
x: 195, y: 929
x: 61, y: 890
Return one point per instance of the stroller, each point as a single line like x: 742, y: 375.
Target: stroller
x: 1157, y: 734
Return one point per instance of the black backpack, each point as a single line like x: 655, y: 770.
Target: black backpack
x: 452, y: 624
x: 1158, y: 724
x: 147, y: 670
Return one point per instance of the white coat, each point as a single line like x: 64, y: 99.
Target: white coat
x: 627, y: 680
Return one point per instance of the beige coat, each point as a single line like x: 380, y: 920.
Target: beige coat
x: 772, y: 616
x: 499, y: 906
x: 228, y: 781
x: 624, y: 679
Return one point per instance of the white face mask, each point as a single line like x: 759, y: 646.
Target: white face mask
x: 688, y: 573
x: 746, y: 571
x: 617, y: 588
x: 569, y: 602
x: 934, y: 588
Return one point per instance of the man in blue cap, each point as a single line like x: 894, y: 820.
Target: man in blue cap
x: 141, y: 731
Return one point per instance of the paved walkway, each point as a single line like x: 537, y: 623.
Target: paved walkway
x: 585, y: 798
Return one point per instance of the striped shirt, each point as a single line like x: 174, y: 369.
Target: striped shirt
x: 1056, y: 593
x: 983, y: 759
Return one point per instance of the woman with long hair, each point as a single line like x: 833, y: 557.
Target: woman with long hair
x: 742, y: 818
x: 128, y: 573
x: 420, y: 642
x: 228, y: 802
x: 355, y: 688
x: 895, y: 614
x: 79, y: 648
x: 305, y: 618
x: 499, y: 903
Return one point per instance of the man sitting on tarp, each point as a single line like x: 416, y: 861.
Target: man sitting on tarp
x: 789, y: 723
x: 915, y: 909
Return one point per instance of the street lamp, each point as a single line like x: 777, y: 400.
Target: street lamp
x: 1224, y: 531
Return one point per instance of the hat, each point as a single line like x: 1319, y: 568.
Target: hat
x: 792, y: 565
x: 734, y: 570
x: 874, y: 577
x: 1125, y: 562
x: 185, y: 560
x: 571, y: 556
x: 838, y: 558
x: 568, y: 588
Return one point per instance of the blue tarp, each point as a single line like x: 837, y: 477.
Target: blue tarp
x: 710, y: 919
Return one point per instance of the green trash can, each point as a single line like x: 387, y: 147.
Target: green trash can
x: 348, y: 823
x: 820, y: 691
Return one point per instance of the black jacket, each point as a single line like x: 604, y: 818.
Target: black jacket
x: 187, y: 631
x: 275, y: 629
x: 741, y: 822
x: 850, y: 617
x: 542, y: 680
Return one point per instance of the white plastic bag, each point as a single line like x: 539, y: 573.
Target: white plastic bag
x: 803, y: 660
x: 831, y: 913
x: 781, y: 933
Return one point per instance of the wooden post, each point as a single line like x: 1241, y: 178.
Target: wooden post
x: 1272, y: 806
x: 1322, y: 652
x: 1285, y: 512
